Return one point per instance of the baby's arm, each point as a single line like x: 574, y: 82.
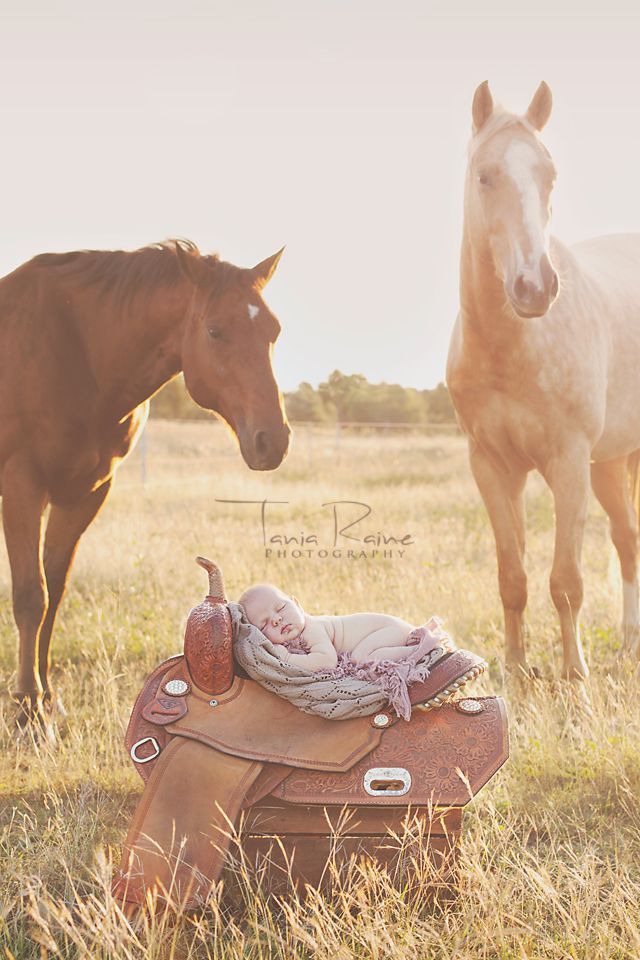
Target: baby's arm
x: 321, y: 657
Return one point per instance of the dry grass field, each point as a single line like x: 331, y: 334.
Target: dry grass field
x: 550, y: 863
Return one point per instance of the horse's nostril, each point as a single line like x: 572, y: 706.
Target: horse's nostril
x: 268, y: 447
x: 520, y: 287
x: 261, y: 443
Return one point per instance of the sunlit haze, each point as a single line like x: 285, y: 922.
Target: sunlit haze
x: 336, y: 128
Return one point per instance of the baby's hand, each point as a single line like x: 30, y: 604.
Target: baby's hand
x: 297, y: 645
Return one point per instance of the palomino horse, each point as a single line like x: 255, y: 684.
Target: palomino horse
x: 543, y: 368
x: 86, y: 339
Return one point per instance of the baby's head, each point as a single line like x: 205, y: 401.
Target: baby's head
x: 278, y: 616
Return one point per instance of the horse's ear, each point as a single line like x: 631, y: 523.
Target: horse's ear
x: 190, y: 262
x: 482, y: 107
x: 540, y: 107
x: 262, y: 272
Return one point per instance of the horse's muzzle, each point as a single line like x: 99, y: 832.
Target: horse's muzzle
x: 531, y: 299
x: 265, y: 449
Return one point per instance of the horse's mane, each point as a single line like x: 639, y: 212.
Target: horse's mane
x: 125, y: 274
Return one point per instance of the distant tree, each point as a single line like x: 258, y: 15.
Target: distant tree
x: 339, y: 391
x: 440, y: 408
x: 305, y: 404
x: 344, y: 397
x: 386, y: 403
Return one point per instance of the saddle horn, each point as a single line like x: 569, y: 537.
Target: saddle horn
x: 216, y: 583
x: 208, y: 641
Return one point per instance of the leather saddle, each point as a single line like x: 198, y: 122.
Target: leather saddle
x: 210, y: 743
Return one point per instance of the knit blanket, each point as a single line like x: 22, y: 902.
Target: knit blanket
x: 349, y: 690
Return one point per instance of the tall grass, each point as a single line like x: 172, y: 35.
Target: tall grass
x: 550, y: 854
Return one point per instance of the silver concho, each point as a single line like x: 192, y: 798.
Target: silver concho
x: 469, y: 706
x: 176, y: 688
x: 381, y: 720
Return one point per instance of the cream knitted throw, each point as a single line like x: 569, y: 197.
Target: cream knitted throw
x: 349, y: 690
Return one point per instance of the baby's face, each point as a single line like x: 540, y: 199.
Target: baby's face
x: 278, y: 616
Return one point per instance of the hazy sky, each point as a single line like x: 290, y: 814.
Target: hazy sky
x: 338, y: 128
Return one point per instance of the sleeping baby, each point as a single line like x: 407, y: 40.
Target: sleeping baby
x: 364, y: 636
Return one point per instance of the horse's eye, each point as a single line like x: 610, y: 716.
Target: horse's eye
x: 484, y: 180
x: 215, y: 333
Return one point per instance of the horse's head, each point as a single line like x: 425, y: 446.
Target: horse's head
x: 228, y: 340
x: 509, y: 181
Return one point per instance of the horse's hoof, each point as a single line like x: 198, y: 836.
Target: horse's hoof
x: 523, y: 672
x: 39, y: 733
x: 53, y: 705
x: 28, y: 707
x: 32, y: 719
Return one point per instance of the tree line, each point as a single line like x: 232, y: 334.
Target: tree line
x: 344, y: 398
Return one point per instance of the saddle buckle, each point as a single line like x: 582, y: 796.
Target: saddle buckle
x: 134, y: 749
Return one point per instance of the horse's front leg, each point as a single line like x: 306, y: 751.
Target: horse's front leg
x: 503, y: 495
x: 568, y: 477
x: 65, y: 526
x: 24, y: 501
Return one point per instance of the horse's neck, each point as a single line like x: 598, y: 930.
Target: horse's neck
x: 485, y: 311
x: 137, y: 350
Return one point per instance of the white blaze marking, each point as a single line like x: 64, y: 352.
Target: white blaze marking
x: 521, y: 159
x: 253, y: 311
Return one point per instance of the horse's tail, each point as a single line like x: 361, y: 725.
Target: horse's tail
x: 633, y: 468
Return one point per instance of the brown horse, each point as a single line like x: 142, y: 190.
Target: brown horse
x: 86, y: 339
